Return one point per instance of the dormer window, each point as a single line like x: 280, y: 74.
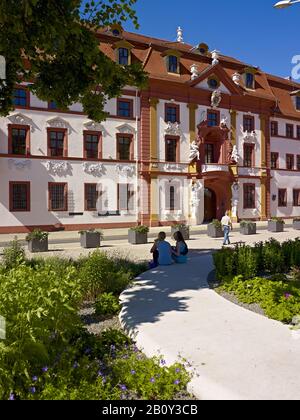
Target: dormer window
x: 123, y: 54
x: 250, y: 79
x: 116, y: 32
x: 213, y: 82
x: 298, y: 103
x: 203, y: 48
x: 116, y: 29
x: 173, y: 64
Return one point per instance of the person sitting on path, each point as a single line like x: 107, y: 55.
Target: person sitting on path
x: 227, y: 225
x: 155, y: 254
x: 181, y: 250
x: 164, y: 250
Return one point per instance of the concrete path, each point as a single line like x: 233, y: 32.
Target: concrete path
x: 237, y: 354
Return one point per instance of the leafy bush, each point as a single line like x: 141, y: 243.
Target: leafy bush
x: 274, y: 261
x: 277, y: 219
x: 246, y: 223
x: 37, y: 234
x: 140, y: 229
x: 216, y: 223
x: 107, y: 304
x: 82, y: 232
x: 181, y: 226
x: 13, y: 255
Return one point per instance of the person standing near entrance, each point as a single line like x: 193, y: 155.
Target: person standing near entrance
x: 227, y: 225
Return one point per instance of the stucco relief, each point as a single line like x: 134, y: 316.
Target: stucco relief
x: 96, y: 169
x: 173, y: 129
x: 250, y: 137
x: 216, y: 98
x: 59, y: 123
x: 19, y: 163
x: 173, y: 167
x: 22, y: 119
x: 94, y: 126
x: 194, y: 152
x: 235, y: 157
x: 126, y: 129
x: 125, y: 170
x: 59, y: 168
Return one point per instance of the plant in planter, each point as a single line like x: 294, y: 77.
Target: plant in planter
x: 276, y: 224
x: 214, y: 229
x: 37, y: 241
x: 138, y: 235
x: 183, y: 228
x: 90, y: 239
x: 247, y: 228
x: 296, y: 223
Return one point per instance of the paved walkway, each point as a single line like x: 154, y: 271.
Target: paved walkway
x: 237, y: 354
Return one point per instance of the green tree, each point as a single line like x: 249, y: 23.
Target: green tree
x: 53, y: 45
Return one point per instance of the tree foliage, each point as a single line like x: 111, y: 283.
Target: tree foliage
x: 52, y: 44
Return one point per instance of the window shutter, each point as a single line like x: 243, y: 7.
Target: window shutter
x: 123, y: 193
x: 131, y: 195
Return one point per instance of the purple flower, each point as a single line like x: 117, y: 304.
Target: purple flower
x: 112, y: 347
x: 152, y: 380
x: 123, y: 397
x: 76, y: 365
x: 45, y: 369
x: 177, y: 370
x: 104, y: 380
x: 34, y: 378
x: 11, y: 397
x: 133, y: 372
x: 87, y: 351
x: 288, y: 295
x: 123, y: 387
x: 163, y: 362
x: 100, y: 373
x: 177, y: 382
x: 32, y: 390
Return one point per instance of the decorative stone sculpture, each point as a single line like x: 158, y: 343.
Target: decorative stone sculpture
x: 194, y: 71
x: 236, y: 77
x: 125, y: 170
x: 215, y: 57
x: 216, y: 98
x: 235, y: 155
x: 194, y: 152
x: 235, y: 199
x: 223, y: 123
x: 179, y: 34
x: 58, y: 168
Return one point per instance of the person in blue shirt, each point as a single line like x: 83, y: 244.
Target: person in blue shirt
x: 162, y: 250
x: 180, y: 251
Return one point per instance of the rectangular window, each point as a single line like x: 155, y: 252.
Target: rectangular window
x: 19, y: 196
x: 249, y: 155
x: 290, y: 131
x: 274, y: 128
x: 290, y: 162
x: 171, y: 149
x: 172, y: 64
x: 250, y: 80
x: 249, y: 123
x: 282, y: 198
x: 21, y: 97
x: 274, y: 160
x: 58, y: 196
x: 125, y: 108
x: 298, y: 132
x: 126, y: 197
x: 212, y: 119
x: 209, y: 153
x: 298, y: 103
x: 172, y: 113
x: 123, y: 56
x: 249, y: 196
x: 124, y: 147
x: 18, y: 141
x: 298, y: 162
x: 296, y: 198
x: 57, y: 143
x: 91, y: 192
x: 92, y: 142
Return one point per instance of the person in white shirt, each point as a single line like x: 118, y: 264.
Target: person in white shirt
x: 227, y: 225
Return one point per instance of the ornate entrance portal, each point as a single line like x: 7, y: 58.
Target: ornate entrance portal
x: 210, y: 205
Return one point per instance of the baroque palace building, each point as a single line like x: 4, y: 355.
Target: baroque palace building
x: 209, y: 133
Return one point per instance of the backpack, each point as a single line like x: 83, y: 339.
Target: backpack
x: 185, y: 251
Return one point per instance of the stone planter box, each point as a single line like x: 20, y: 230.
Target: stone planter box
x: 274, y: 226
x: 248, y: 229
x: 137, y: 238
x: 90, y: 240
x: 215, y: 232
x: 36, y: 245
x: 185, y: 232
x: 296, y: 225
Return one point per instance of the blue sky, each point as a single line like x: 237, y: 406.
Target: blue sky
x: 251, y: 31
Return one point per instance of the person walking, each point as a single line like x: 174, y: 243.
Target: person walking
x: 226, y: 225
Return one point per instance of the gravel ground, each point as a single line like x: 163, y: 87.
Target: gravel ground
x: 97, y: 324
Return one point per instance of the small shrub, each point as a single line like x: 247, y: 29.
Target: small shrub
x: 216, y: 223
x: 140, y: 229
x: 274, y: 261
x: 13, y: 255
x: 107, y: 304
x: 82, y: 232
x: 37, y: 234
x: 116, y: 338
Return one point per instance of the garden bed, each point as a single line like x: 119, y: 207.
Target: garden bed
x: 65, y: 342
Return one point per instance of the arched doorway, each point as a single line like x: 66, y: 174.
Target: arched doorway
x: 210, y: 205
